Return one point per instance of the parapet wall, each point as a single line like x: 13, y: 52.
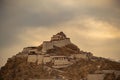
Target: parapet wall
x: 49, y: 44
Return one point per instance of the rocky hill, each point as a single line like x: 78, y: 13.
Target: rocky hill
x: 37, y: 63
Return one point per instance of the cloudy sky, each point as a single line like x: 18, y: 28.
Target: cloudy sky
x: 93, y: 25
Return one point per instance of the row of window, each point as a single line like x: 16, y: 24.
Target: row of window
x: 60, y: 58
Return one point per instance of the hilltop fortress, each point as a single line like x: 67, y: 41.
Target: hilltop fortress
x: 46, y: 52
x: 60, y: 59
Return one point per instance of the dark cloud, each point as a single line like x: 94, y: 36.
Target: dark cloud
x: 21, y: 16
x: 24, y: 16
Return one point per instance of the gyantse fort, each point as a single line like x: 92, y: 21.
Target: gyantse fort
x: 42, y: 56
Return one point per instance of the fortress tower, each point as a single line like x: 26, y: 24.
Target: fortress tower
x: 58, y: 36
x: 58, y: 40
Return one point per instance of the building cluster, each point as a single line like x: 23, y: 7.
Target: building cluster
x: 42, y: 57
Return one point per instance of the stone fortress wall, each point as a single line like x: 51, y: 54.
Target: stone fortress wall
x: 32, y: 58
x: 49, y: 44
x: 39, y: 59
x: 61, y: 43
x: 58, y: 61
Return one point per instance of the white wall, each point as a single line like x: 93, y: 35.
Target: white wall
x: 47, y: 59
x: 61, y: 62
x: 40, y: 59
x: 32, y: 58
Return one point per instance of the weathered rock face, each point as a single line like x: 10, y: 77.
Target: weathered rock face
x: 18, y: 67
